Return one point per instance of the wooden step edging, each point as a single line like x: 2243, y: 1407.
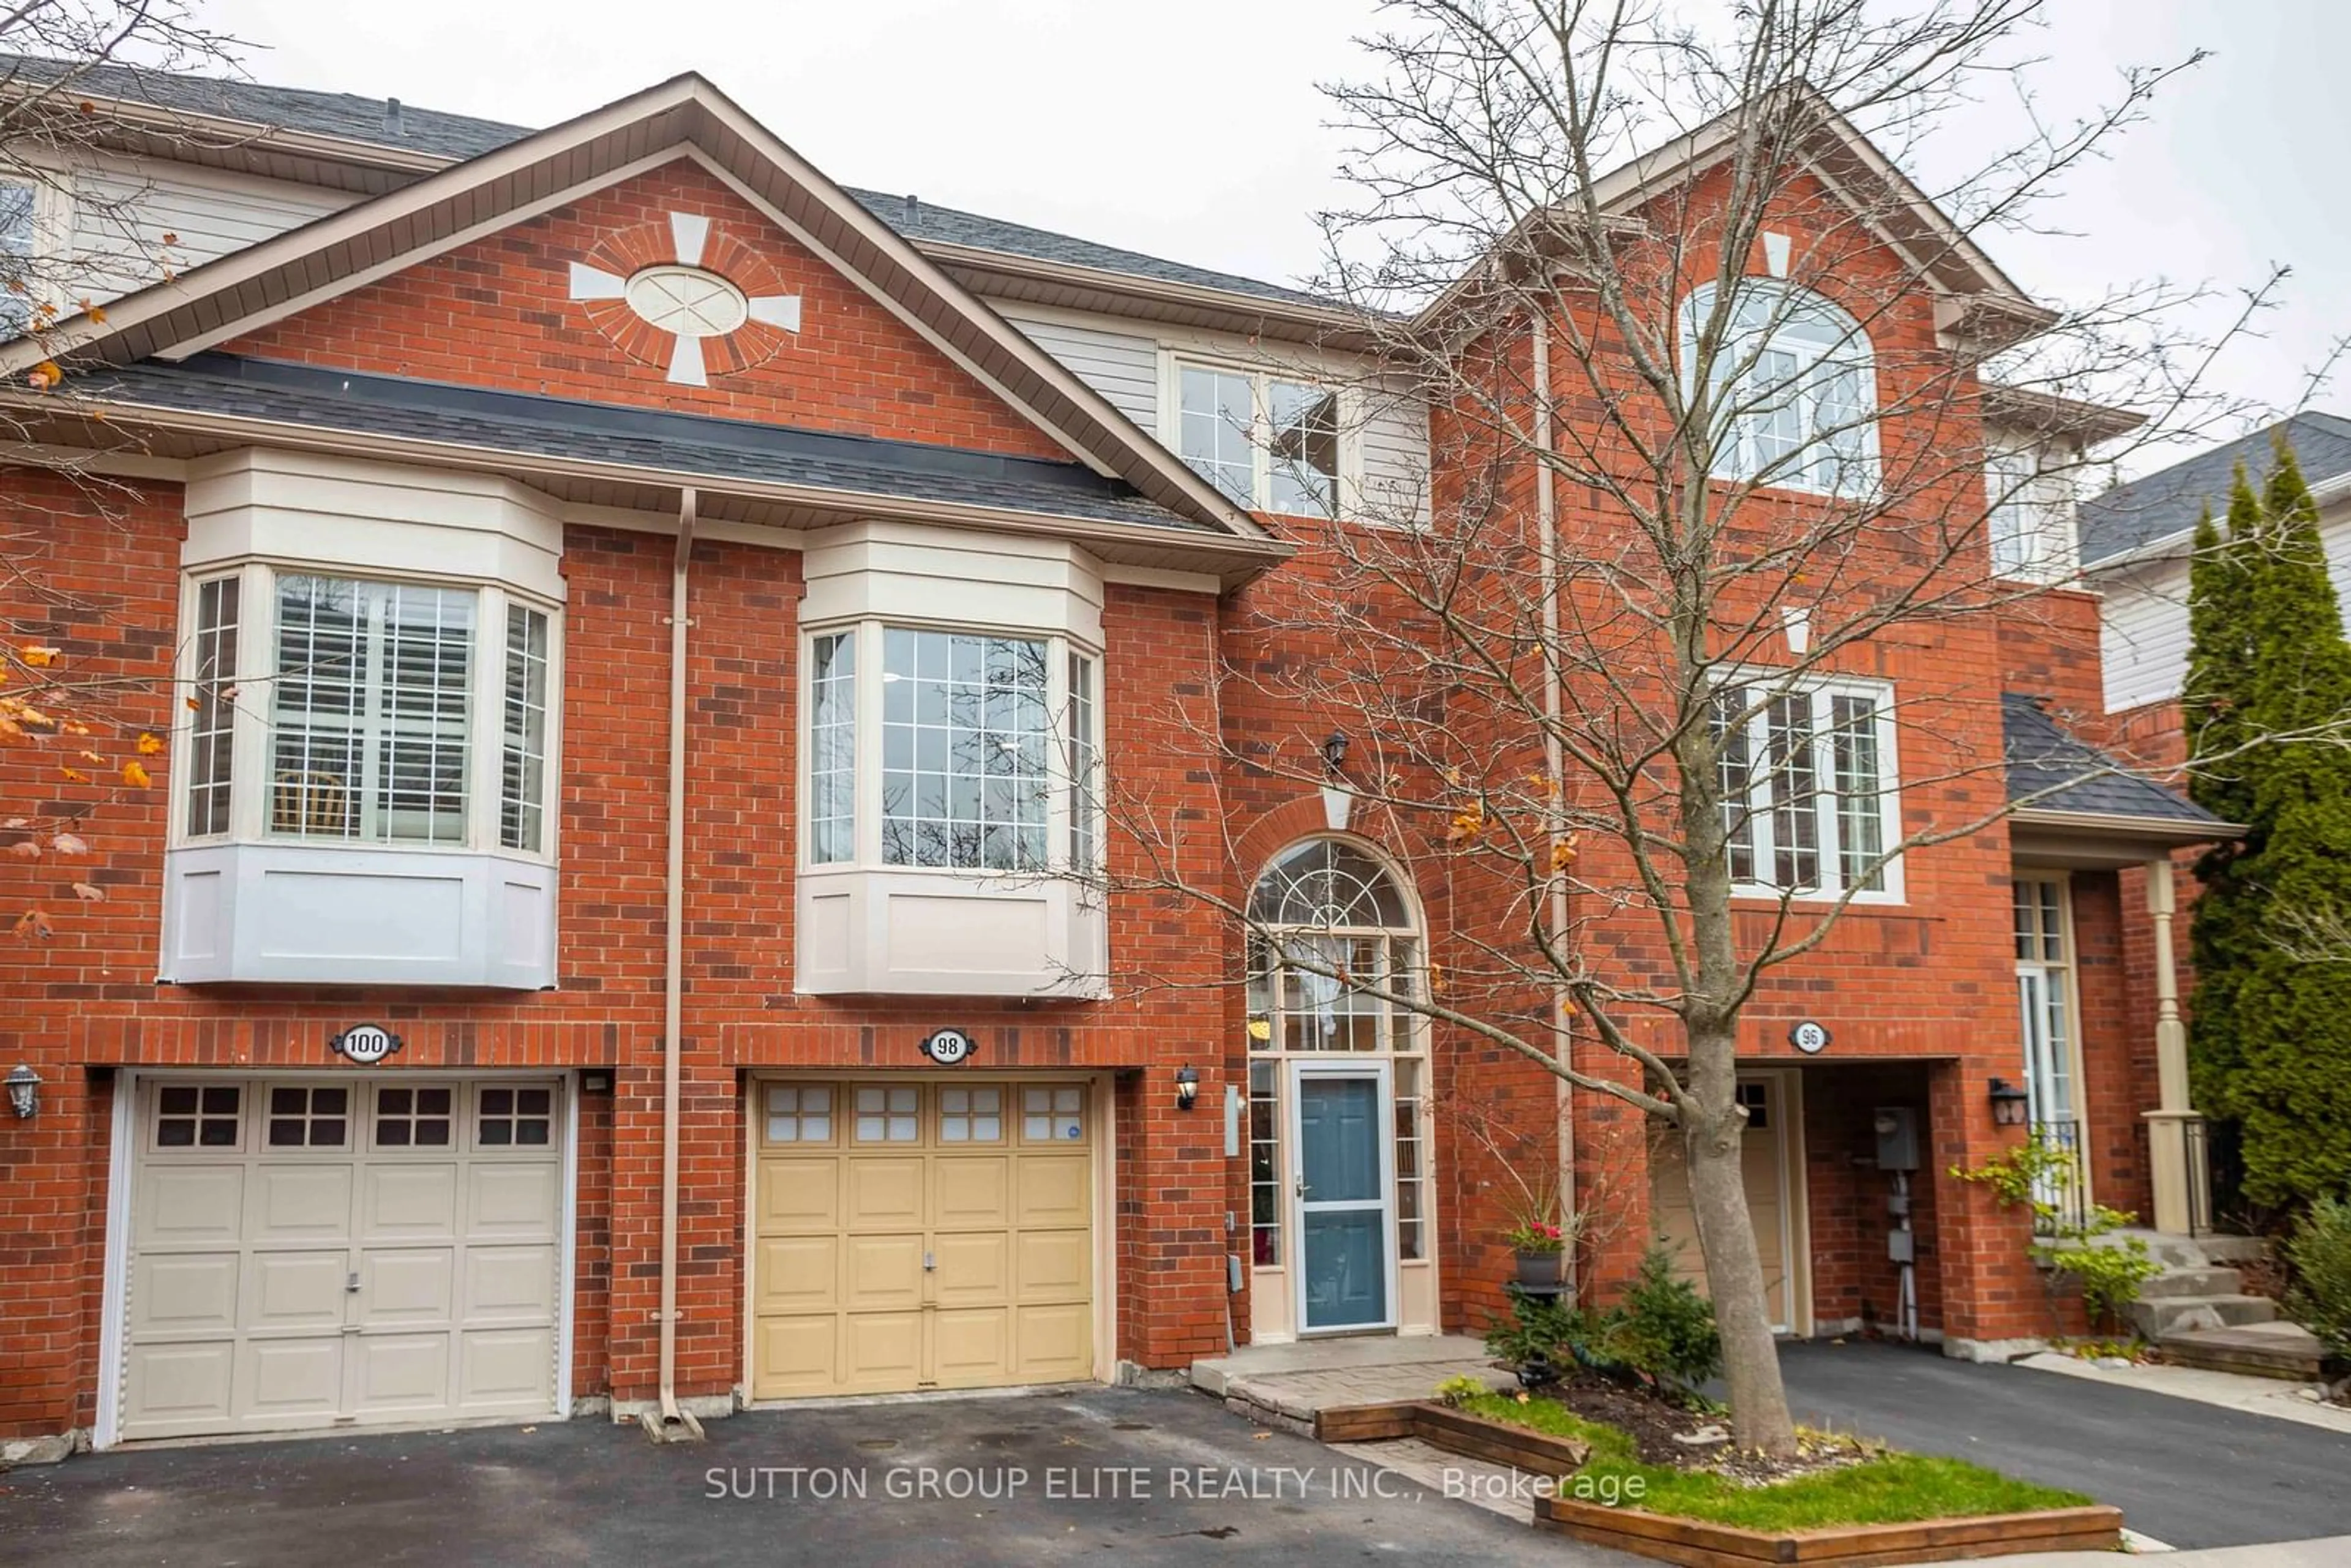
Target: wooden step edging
x: 1700, y: 1544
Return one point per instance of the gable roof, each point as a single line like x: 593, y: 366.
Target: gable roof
x: 2057, y: 774
x: 683, y: 117
x: 2150, y: 511
x: 435, y: 138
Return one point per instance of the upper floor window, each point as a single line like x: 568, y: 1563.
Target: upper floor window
x: 1810, y: 799
x: 388, y: 712
x: 1267, y: 442
x: 967, y: 751
x: 1793, y: 389
x: 2030, y: 516
x: 17, y: 249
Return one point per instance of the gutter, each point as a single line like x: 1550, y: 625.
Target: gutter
x: 2113, y: 824
x: 1554, y: 757
x: 674, y: 1425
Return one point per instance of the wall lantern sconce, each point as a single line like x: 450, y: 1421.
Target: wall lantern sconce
x: 2011, y: 1106
x: 23, y: 1091
x: 1334, y: 752
x: 1187, y: 1087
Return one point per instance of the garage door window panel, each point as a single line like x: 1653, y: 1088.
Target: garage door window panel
x: 418, y: 1118
x: 514, y: 1118
x: 888, y: 1115
x: 799, y: 1113
x: 1052, y: 1115
x: 971, y: 1115
x: 308, y: 1117
x: 199, y: 1116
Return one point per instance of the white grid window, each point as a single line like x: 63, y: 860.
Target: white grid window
x: 1794, y: 389
x: 1809, y: 798
x: 413, y: 1118
x: 18, y: 283
x: 198, y: 1115
x: 2030, y: 517
x: 964, y: 731
x: 370, y: 712
x: 1265, y: 1163
x: 971, y: 1115
x: 799, y: 1113
x: 887, y: 1115
x: 1085, y: 762
x: 522, y: 769
x: 514, y: 1118
x: 211, y: 735
x: 1266, y: 443
x: 1331, y: 939
x: 303, y: 1117
x: 1052, y: 1115
x: 832, y: 748
x: 1411, y: 1165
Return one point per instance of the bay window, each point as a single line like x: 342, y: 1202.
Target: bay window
x: 389, y: 714
x: 1810, y: 798
x: 970, y: 751
x: 1269, y: 442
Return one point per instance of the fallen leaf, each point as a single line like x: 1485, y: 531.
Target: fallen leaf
x: 90, y: 892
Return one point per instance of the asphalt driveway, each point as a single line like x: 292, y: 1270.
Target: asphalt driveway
x: 1155, y: 1477
x: 2186, y: 1473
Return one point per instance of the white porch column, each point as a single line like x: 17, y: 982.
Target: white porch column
x: 2167, y: 1123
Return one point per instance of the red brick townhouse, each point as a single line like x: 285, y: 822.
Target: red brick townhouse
x: 641, y: 632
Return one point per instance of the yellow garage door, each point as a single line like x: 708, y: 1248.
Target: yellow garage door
x: 921, y: 1235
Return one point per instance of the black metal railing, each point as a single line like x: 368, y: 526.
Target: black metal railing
x: 2061, y: 1204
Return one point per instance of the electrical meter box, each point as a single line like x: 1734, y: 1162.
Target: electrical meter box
x: 1898, y: 1137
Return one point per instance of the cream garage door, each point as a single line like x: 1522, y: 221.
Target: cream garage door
x: 315, y: 1253
x: 1763, y: 1156
x: 930, y: 1235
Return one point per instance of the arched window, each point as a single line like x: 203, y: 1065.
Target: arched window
x: 1794, y: 386
x: 1332, y: 940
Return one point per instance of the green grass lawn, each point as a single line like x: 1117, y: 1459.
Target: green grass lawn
x: 1887, y: 1489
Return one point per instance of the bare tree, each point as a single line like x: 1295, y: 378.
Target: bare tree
x: 75, y: 231
x: 1710, y: 377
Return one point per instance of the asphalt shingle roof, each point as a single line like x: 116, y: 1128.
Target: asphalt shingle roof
x: 2169, y: 501
x: 2043, y: 755
x: 718, y: 449
x: 367, y: 120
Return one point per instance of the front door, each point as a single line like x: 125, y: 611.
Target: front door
x: 1346, y: 1253
x: 1767, y: 1164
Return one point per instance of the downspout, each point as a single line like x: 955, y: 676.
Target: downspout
x: 673, y: 973
x: 1555, y: 758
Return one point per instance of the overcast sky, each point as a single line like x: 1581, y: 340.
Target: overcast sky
x: 1193, y: 129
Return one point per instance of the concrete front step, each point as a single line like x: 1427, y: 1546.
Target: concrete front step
x: 2263, y: 1350
x: 2195, y: 1282
x: 2157, y: 1316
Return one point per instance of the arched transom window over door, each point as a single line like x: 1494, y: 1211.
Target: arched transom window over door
x: 1334, y: 941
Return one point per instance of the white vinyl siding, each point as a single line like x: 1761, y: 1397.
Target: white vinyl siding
x: 2143, y: 624
x: 1393, y: 439
x: 17, y: 233
x: 1124, y: 368
x: 122, y: 221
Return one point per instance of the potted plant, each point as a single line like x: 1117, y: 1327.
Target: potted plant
x: 1538, y: 1243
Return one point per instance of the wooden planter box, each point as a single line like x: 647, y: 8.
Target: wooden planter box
x: 1702, y: 1545
x: 1456, y: 1432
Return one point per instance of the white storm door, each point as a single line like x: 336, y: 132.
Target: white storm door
x: 1342, y: 1146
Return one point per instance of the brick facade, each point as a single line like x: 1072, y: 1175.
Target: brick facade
x: 1920, y: 997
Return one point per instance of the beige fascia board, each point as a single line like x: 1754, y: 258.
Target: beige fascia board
x: 2028, y: 408
x: 2106, y: 824
x: 1196, y: 295
x: 1246, y: 558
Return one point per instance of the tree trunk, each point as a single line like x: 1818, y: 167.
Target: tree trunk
x: 1725, y: 1237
